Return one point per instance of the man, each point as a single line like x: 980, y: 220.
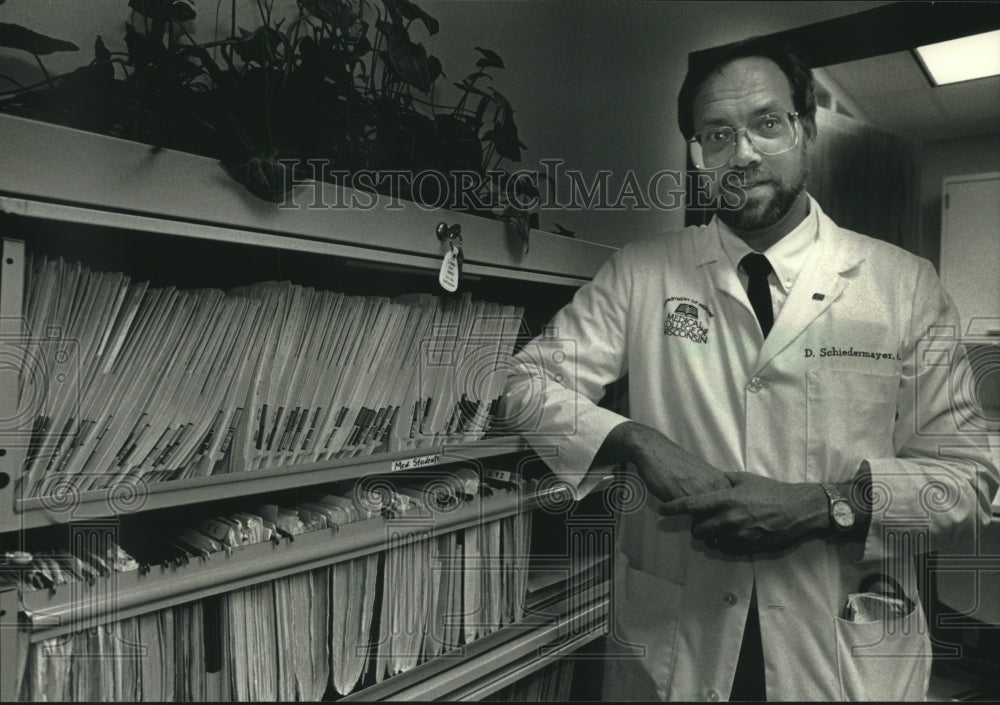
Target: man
x: 791, y: 422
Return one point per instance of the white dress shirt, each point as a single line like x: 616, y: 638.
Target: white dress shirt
x: 787, y: 256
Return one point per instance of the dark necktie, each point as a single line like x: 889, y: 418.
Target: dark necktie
x: 758, y: 290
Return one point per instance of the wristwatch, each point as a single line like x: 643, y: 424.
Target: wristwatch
x: 841, y: 513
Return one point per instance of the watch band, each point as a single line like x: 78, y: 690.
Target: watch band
x: 841, y: 513
x: 833, y: 493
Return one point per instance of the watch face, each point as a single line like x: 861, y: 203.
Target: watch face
x: 843, y: 514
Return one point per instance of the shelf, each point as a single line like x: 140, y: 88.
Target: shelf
x: 555, y: 642
x: 497, y: 660
x: 117, y: 183
x: 124, y: 595
x: 368, y: 256
x: 130, y: 498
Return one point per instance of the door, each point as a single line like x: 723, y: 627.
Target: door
x: 970, y: 250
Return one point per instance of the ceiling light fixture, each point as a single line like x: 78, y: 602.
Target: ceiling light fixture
x: 963, y: 59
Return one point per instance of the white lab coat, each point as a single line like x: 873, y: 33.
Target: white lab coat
x: 789, y: 408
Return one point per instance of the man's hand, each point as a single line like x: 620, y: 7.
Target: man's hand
x: 756, y: 514
x: 668, y: 471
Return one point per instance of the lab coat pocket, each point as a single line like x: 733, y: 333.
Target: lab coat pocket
x: 886, y: 660
x: 646, y: 609
x: 850, y: 417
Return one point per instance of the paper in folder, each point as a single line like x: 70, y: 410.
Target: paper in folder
x: 166, y: 384
x: 157, y: 668
x: 352, y: 589
x: 405, y: 592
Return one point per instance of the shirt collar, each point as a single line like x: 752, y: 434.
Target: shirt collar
x: 787, y: 256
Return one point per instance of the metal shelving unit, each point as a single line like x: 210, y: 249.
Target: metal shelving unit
x: 123, y: 595
x: 118, y: 185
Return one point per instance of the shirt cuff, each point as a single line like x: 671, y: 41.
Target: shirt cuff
x: 571, y: 455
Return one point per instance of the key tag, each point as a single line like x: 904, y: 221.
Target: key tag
x: 451, y: 267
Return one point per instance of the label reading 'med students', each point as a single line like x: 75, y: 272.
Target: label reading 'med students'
x: 410, y: 463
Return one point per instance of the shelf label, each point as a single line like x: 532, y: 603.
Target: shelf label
x: 410, y: 463
x: 500, y: 475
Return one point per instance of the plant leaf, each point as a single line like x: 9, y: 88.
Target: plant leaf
x: 411, y: 63
x: 524, y: 186
x: 260, y: 46
x: 560, y: 230
x: 392, y: 9
x: 481, y: 110
x: 178, y: 11
x: 519, y: 221
x: 504, y: 138
x: 490, y: 58
x: 182, y: 12
x: 435, y: 68
x: 264, y: 177
x: 101, y: 52
x: 395, y: 33
x: 336, y: 13
x: 15, y: 36
x: 152, y: 9
x: 467, y: 85
x: 410, y: 11
x: 502, y: 101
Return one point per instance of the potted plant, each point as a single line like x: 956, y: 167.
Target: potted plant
x: 343, y: 83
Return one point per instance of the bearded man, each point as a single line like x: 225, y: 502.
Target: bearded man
x: 790, y: 420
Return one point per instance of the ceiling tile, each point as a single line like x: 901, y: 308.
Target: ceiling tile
x: 873, y: 76
x: 893, y: 91
x: 971, y: 100
x: 897, y: 110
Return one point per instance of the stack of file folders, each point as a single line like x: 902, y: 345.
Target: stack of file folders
x: 121, y: 382
x: 302, y: 636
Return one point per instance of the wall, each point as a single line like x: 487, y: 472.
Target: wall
x: 839, y: 96
x: 594, y: 82
x: 969, y: 155
x: 865, y: 178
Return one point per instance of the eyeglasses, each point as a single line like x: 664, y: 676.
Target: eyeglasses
x: 769, y: 134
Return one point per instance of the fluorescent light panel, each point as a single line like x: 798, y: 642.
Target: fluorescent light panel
x: 962, y: 59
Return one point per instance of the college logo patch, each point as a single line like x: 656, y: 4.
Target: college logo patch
x: 683, y: 319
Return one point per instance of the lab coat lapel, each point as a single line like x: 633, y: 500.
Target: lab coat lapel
x: 713, y: 258
x: 820, y: 283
